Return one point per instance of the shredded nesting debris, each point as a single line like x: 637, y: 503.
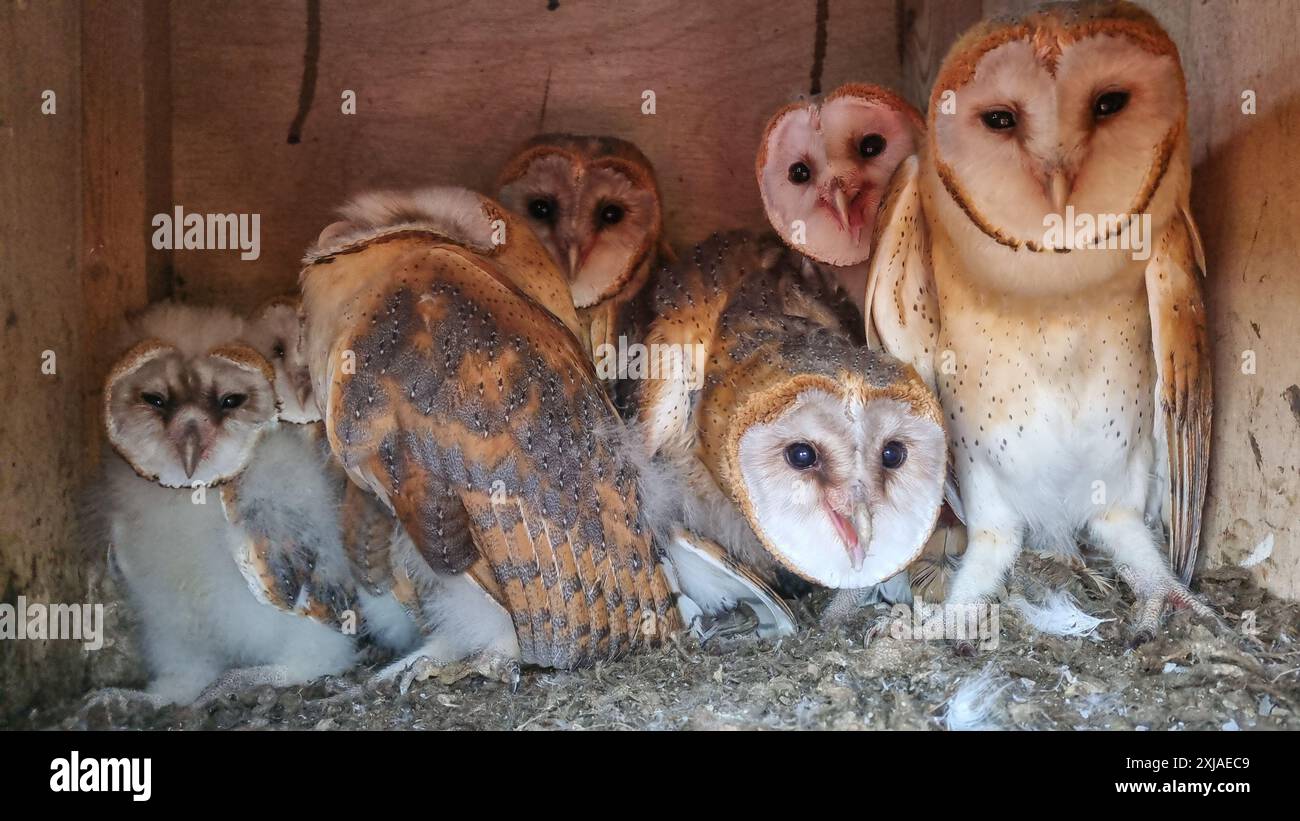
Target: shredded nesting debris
x: 862, y: 673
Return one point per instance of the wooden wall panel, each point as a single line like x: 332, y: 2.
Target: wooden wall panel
x: 42, y: 431
x: 446, y: 90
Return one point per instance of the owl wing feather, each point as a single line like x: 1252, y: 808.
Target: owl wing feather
x: 471, y: 405
x: 283, y: 571
x: 1184, y: 385
x: 902, y: 304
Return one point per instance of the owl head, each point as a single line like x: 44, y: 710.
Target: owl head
x: 594, y: 203
x: 275, y: 331
x: 822, y: 168
x: 1073, y: 106
x: 187, y: 403
x: 836, y: 456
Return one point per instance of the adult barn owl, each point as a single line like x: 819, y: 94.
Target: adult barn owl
x: 221, y: 525
x: 823, y: 167
x: 442, y: 343
x: 595, y: 205
x: 803, y: 451
x: 1075, y: 375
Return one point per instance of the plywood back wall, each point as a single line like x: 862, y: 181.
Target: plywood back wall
x: 446, y: 90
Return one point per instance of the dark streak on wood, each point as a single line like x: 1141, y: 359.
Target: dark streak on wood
x: 819, y: 46
x: 552, y: 5
x: 1254, y: 446
x: 1292, y: 396
x: 546, y: 98
x: 310, y: 67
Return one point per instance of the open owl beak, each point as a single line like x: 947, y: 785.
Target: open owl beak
x: 854, y: 533
x: 191, y: 450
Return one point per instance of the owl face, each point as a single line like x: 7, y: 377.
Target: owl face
x: 181, y: 420
x: 1079, y: 107
x: 826, y: 166
x: 594, y: 204
x: 275, y: 332
x: 844, y: 488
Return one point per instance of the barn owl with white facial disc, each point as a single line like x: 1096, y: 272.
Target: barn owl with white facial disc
x: 1075, y: 376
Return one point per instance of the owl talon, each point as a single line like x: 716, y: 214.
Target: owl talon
x: 964, y: 649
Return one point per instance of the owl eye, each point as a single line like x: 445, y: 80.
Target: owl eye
x: 801, y: 455
x: 542, y: 208
x: 155, y: 399
x: 278, y: 350
x: 999, y: 119
x: 893, y: 455
x: 1112, y: 102
x: 799, y: 173
x: 610, y: 214
x: 872, y: 145
x: 233, y: 400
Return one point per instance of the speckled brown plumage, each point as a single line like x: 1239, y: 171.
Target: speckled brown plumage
x: 475, y: 413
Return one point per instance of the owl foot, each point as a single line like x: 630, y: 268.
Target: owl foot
x: 120, y: 701
x: 241, y: 679
x: 1151, y: 603
x: 416, y: 668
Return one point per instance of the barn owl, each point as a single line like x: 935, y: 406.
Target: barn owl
x: 1074, y: 375
x: 219, y: 522
x: 443, y: 348
x: 594, y: 203
x: 803, y: 452
x: 823, y: 167
x: 274, y: 331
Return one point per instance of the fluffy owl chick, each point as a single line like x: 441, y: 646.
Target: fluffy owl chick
x: 822, y: 170
x: 802, y: 450
x: 187, y: 407
x: 1075, y: 364
x: 595, y: 205
x: 275, y: 332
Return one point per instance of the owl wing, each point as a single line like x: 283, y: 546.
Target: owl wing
x: 1184, y: 387
x: 902, y: 305
x: 708, y: 581
x: 282, y: 569
x: 475, y: 415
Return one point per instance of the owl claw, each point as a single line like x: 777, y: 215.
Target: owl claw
x: 1152, y: 597
x: 489, y: 665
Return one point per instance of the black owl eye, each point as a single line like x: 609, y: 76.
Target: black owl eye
x: 872, y: 145
x: 278, y: 350
x: 155, y: 399
x: 611, y: 214
x: 799, y: 173
x: 542, y: 209
x: 999, y: 119
x: 1112, y: 102
x: 801, y: 455
x: 233, y: 400
x: 893, y: 455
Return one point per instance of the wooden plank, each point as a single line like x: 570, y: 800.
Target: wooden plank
x: 446, y: 90
x: 927, y: 29
x: 42, y: 431
x: 1245, y: 181
x: 126, y: 172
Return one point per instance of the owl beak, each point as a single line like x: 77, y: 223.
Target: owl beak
x: 302, y: 388
x: 575, y: 259
x: 191, y: 450
x: 854, y: 533
x: 841, y: 203
x: 1059, y: 186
